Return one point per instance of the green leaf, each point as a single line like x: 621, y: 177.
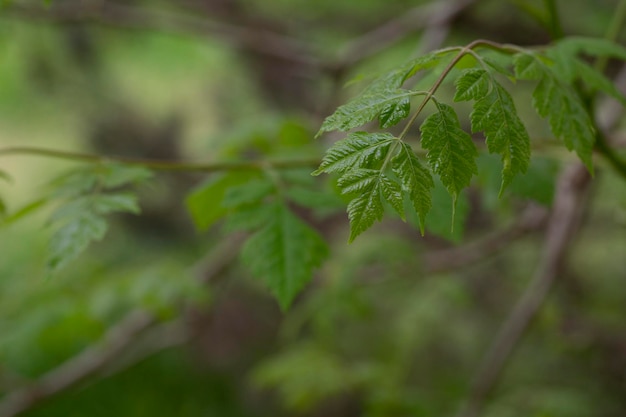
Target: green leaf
x: 392, y: 193
x: 416, y: 181
x: 597, y: 47
x: 248, y: 218
x: 367, y: 207
x: 104, y: 176
x: 391, y: 114
x: 384, y: 97
x: 284, y: 254
x: 556, y: 100
x: 359, y: 149
x: 473, y: 84
x: 598, y: 81
x: 3, y: 208
x: 528, y: 66
x: 505, y: 134
x: 315, y: 199
x: 23, y: 211
x: 74, y: 237
x: 251, y: 192
x: 451, y: 152
x: 364, y: 108
x: 205, y: 201
x: 80, y: 222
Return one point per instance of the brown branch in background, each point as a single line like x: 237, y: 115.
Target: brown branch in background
x: 531, y: 219
x: 134, y: 338
x: 570, y: 203
x: 133, y: 17
x: 77, y: 369
x: 436, y: 14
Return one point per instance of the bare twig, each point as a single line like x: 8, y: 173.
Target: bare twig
x: 569, y: 204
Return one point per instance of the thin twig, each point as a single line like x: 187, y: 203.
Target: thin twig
x: 161, y: 165
x: 570, y: 202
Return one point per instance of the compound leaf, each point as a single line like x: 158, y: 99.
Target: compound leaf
x: 284, y: 253
x: 450, y: 150
x: 357, y: 150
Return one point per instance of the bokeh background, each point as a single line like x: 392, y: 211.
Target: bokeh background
x: 393, y: 325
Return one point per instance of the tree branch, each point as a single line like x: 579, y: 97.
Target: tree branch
x: 532, y: 218
x: 160, y: 165
x: 134, y: 338
x: 569, y: 204
x: 133, y: 17
x: 431, y: 15
x: 78, y: 368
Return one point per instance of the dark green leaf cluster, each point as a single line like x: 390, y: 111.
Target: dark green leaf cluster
x: 378, y: 168
x: 384, y: 99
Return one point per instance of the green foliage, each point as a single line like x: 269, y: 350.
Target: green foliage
x: 204, y: 202
x: 377, y: 168
x: 283, y: 252
x: 362, y: 158
x: 416, y: 181
x: 383, y: 98
x: 559, y: 102
x: 300, y: 389
x: 451, y: 152
x: 495, y: 114
x: 85, y: 197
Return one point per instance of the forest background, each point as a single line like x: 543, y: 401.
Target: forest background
x: 516, y: 310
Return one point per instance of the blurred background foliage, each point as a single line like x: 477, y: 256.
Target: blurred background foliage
x: 381, y: 332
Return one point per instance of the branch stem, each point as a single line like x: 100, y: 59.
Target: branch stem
x: 160, y: 165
